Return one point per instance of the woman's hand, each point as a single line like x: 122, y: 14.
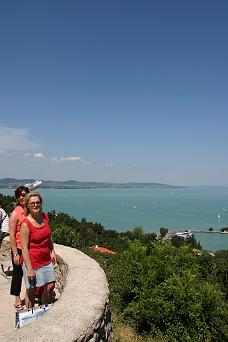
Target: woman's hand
x: 53, y: 257
x: 16, y: 259
x: 32, y: 278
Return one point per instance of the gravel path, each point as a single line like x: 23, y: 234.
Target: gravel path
x: 7, y: 311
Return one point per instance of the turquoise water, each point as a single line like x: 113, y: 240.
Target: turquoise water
x: 150, y: 208
x: 213, y: 241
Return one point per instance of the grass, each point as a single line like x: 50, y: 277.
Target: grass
x: 124, y: 333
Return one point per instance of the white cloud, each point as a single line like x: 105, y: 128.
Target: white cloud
x: 71, y: 158
x: 38, y: 156
x: 62, y: 159
x: 15, y: 139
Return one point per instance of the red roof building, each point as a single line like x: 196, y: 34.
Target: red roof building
x: 102, y: 250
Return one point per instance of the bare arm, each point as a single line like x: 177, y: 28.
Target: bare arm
x: 52, y: 252
x: 12, y: 232
x: 25, y: 234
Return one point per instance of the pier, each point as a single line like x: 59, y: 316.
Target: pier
x: 189, y: 232
x: 205, y: 230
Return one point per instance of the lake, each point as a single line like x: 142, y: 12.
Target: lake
x: 150, y: 208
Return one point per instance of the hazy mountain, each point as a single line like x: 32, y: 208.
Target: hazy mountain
x: 13, y: 183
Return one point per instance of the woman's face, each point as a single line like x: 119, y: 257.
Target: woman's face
x: 21, y: 198
x: 34, y: 205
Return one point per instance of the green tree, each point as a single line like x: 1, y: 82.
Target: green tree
x: 166, y: 292
x: 179, y: 241
x: 65, y: 235
x: 137, y: 233
x: 221, y: 260
x: 7, y: 203
x: 163, y: 231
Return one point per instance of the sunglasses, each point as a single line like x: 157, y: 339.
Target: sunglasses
x: 22, y: 194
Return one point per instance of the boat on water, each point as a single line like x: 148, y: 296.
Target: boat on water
x: 34, y: 185
x: 184, y: 234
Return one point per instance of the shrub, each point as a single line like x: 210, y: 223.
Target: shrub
x: 166, y: 292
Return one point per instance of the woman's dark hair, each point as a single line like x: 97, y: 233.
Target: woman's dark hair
x: 19, y: 190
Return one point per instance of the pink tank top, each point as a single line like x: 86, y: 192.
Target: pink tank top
x: 20, y: 212
x: 39, y: 243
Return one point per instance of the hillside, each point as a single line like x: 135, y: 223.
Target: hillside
x: 12, y: 183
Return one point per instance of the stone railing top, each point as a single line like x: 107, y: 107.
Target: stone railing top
x: 79, y: 306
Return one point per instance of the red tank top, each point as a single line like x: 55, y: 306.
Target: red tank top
x: 39, y: 243
x: 21, y: 216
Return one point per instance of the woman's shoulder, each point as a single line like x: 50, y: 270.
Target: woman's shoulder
x: 25, y: 220
x: 17, y: 214
x: 18, y: 210
x: 27, y: 224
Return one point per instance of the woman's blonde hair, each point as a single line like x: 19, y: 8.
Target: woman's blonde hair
x: 27, y: 198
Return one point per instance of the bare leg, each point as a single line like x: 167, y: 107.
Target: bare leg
x: 25, y: 300
x: 48, y: 288
x: 30, y: 298
x: 17, y: 301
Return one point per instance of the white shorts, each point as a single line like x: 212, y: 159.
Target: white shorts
x: 44, y: 275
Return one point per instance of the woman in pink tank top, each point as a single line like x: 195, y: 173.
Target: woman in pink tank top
x: 16, y: 217
x: 37, y: 249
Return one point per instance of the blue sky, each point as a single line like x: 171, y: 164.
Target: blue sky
x: 114, y: 91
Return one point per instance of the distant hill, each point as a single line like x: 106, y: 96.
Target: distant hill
x: 13, y: 183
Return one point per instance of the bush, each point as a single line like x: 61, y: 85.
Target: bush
x: 165, y: 292
x: 7, y: 203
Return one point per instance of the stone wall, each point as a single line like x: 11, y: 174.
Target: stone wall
x: 81, y: 313
x: 61, y: 270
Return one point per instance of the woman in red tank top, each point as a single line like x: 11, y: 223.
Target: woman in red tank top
x: 37, y: 249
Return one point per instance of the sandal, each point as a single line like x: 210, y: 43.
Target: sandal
x: 18, y: 307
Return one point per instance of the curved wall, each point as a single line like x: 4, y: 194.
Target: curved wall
x: 81, y: 313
